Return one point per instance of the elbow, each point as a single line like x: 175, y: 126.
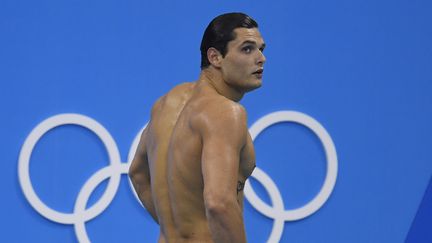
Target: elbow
x: 213, y: 208
x: 218, y: 205
x: 138, y: 176
x: 134, y: 175
x: 131, y: 173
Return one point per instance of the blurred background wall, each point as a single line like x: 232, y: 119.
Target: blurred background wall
x: 361, y: 69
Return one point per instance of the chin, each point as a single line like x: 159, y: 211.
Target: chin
x: 253, y: 86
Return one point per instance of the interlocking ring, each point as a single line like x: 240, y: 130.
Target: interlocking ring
x: 113, y: 171
x: 278, y: 212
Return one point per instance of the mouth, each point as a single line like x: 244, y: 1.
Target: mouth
x: 259, y: 73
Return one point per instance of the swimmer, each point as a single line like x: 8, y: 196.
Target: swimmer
x: 196, y: 153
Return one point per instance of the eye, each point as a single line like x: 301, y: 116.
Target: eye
x: 247, y: 49
x: 263, y: 46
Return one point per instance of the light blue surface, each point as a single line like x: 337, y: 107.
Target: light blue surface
x: 362, y: 69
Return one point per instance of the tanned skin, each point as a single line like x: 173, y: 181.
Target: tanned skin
x: 196, y: 153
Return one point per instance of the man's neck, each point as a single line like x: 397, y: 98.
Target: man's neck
x: 214, y: 79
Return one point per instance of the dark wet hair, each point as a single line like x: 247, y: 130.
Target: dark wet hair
x: 220, y: 31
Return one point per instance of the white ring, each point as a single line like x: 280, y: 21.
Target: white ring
x: 24, y: 163
x: 116, y: 168
x: 262, y: 207
x: 85, y: 193
x: 330, y: 150
x: 277, y: 212
x: 131, y: 155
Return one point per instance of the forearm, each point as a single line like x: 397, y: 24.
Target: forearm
x: 145, y: 196
x: 226, y: 223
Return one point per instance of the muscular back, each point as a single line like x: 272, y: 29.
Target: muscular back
x: 210, y: 150
x: 149, y: 167
x: 195, y: 149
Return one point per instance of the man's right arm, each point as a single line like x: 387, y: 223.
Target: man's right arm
x: 223, y: 132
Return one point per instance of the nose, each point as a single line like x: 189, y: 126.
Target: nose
x: 261, y: 58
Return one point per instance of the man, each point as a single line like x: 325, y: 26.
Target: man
x: 196, y: 153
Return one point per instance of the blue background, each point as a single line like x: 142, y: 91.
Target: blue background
x: 363, y: 69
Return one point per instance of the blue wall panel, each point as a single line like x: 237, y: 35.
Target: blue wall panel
x: 362, y: 69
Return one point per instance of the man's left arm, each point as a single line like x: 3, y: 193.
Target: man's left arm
x: 139, y: 173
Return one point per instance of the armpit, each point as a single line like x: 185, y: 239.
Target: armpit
x: 240, y: 186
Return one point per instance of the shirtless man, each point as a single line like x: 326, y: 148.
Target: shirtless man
x: 196, y: 153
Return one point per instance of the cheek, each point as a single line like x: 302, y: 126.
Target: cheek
x: 239, y: 66
x: 235, y: 72
x: 236, y: 68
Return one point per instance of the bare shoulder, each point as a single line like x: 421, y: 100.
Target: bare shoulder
x: 173, y: 97
x: 225, y: 110
x: 222, y: 117
x: 181, y: 88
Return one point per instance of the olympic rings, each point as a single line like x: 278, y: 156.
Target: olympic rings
x: 80, y: 214
x: 277, y: 212
x: 113, y: 171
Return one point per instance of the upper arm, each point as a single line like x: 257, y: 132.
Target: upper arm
x: 139, y: 168
x: 224, y: 132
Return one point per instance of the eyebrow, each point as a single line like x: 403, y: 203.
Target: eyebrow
x: 253, y: 43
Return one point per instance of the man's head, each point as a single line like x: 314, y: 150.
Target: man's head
x: 220, y: 31
x: 233, y: 47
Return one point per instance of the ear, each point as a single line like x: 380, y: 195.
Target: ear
x: 214, y: 57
